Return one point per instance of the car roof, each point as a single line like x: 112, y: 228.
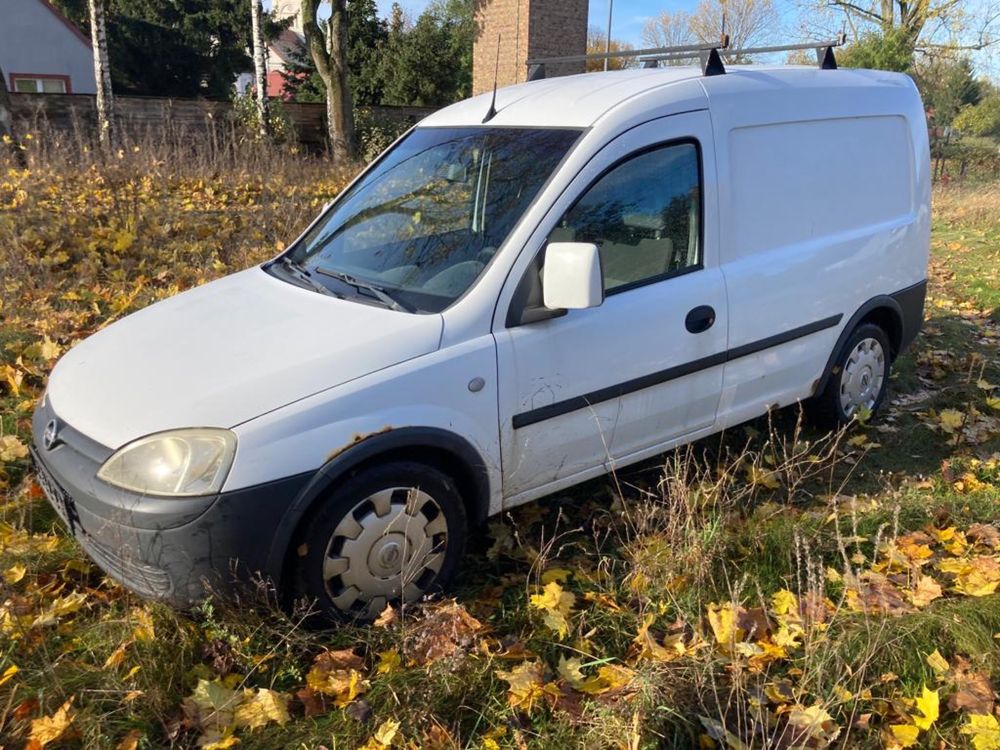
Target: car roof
x: 581, y: 100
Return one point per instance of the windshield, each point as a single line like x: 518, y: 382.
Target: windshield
x: 417, y: 230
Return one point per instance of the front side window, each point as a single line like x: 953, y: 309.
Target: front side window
x: 644, y: 215
x: 419, y: 227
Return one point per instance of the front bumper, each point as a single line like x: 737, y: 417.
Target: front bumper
x: 174, y: 550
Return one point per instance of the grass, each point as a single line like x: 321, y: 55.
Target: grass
x: 675, y: 545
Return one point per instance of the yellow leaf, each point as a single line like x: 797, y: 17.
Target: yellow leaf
x: 9, y: 672
x: 50, y: 728
x: 556, y: 605
x: 609, y: 677
x: 223, y: 743
x: 130, y: 741
x: 143, y: 630
x: 555, y: 574
x: 784, y: 602
x: 571, y: 670
x: 48, y: 349
x: 336, y: 673
x: 928, y: 705
x: 12, y: 449
x: 813, y: 725
x: 937, y: 662
x: 14, y: 573
x: 117, y: 656
x: 261, y: 708
x: 388, y: 661
x: 722, y: 619
x: 926, y: 591
x: 950, y: 420
x: 984, y: 730
x: 904, y: 735
x: 525, y: 682
x: 762, y: 478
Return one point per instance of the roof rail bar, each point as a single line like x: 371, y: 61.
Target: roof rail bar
x: 536, y: 66
x: 824, y: 53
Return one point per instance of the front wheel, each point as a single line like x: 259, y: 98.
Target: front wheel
x: 859, y: 380
x: 390, y: 533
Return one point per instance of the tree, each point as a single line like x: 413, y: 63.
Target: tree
x: 947, y: 84
x: 430, y: 62
x: 927, y: 25
x: 102, y: 76
x: 749, y: 23
x: 982, y: 119
x: 597, y: 43
x: 879, y: 50
x: 329, y: 54
x: 260, y: 68
x: 180, y: 48
x: 668, y: 29
x: 366, y: 38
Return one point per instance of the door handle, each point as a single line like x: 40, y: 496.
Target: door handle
x: 700, y: 319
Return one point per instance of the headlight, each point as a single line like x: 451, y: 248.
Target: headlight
x: 178, y: 463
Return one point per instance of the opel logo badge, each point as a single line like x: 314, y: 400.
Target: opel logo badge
x: 50, y: 438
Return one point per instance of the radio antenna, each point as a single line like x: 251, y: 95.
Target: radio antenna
x: 496, y: 71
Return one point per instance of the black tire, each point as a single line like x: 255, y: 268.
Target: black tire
x: 318, y: 546
x: 827, y: 408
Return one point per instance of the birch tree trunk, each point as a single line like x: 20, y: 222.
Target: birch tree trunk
x: 260, y: 68
x: 7, y: 124
x: 102, y: 75
x: 329, y: 54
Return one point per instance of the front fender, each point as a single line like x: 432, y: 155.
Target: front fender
x: 369, y: 447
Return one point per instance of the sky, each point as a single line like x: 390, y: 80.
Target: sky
x: 627, y: 21
x: 630, y: 16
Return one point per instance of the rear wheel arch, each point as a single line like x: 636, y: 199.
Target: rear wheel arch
x: 440, y: 449
x: 882, y: 311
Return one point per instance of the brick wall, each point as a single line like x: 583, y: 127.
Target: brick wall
x: 527, y: 29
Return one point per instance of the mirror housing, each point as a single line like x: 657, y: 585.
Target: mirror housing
x: 572, y: 278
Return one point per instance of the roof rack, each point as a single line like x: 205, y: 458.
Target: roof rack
x: 536, y: 66
x: 710, y: 55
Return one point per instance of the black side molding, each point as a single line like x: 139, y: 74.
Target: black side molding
x: 559, y: 408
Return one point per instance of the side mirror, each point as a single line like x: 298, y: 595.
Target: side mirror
x: 572, y: 278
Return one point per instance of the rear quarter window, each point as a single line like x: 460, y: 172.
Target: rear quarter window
x: 805, y: 181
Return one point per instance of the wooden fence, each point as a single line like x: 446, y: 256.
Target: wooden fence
x: 141, y: 116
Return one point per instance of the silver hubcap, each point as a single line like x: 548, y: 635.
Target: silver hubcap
x: 863, y: 376
x: 390, y: 546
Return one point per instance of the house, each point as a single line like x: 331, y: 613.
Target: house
x: 283, y: 52
x: 41, y: 52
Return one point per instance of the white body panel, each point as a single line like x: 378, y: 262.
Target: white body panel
x: 301, y: 377
x: 224, y: 353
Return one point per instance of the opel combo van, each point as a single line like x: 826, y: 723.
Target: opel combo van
x: 609, y: 266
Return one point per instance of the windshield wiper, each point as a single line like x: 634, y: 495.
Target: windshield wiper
x: 376, y: 291
x: 299, y: 272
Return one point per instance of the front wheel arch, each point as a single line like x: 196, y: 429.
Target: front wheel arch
x: 443, y: 450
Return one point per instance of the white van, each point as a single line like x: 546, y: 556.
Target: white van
x: 611, y: 265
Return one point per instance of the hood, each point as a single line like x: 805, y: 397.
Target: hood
x: 224, y: 353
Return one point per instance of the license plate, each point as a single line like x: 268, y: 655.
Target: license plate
x: 57, y: 496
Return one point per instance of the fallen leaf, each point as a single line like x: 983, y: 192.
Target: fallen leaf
x: 556, y: 606
x: 338, y: 674
x: 260, y: 708
x: 526, y: 681
x: 51, y: 728
x: 984, y: 731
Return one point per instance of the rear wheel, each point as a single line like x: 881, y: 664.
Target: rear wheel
x: 391, y: 533
x: 858, y: 383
